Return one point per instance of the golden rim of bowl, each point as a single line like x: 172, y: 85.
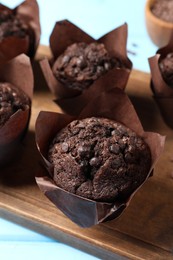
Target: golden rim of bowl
x: 154, y: 18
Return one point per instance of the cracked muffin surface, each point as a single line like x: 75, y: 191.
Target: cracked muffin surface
x: 99, y: 159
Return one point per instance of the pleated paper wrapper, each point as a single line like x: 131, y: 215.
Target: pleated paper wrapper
x: 19, y: 73
x: 64, y: 34
x: 114, y: 105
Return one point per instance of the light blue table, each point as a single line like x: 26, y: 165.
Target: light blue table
x: 96, y: 17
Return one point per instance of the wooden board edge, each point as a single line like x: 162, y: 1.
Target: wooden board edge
x: 59, y: 235
x: 30, y: 221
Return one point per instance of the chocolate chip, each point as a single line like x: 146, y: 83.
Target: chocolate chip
x: 65, y: 59
x: 99, y: 69
x: 75, y: 130
x: 83, y: 151
x: 95, y: 162
x: 65, y: 147
x: 108, y: 132
x: 129, y: 158
x: 74, y: 152
x: 114, y: 148
x: 115, y: 132
x: 81, y: 125
x: 107, y: 66
x: 122, y: 144
x: 87, y: 63
x: 116, y: 163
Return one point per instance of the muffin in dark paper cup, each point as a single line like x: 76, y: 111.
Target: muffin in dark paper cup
x: 19, y: 30
x: 16, y: 88
x: 112, y: 105
x: 82, y: 65
x: 161, y: 66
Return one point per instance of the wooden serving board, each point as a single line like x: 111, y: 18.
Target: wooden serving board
x: 144, y: 231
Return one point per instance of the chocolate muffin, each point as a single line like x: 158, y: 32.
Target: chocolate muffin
x: 166, y: 67
x: 81, y: 64
x: 99, y: 159
x: 11, y: 25
x: 163, y: 10
x: 11, y: 100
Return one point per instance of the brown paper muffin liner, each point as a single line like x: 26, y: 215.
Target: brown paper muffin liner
x: 64, y: 34
x: 18, y: 72
x: 114, y: 105
x: 162, y: 92
x: 12, y: 46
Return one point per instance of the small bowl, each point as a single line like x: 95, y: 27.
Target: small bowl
x: 158, y: 30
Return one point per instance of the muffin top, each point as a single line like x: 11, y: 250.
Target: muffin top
x: 163, y: 10
x: 166, y: 67
x: 82, y: 63
x: 11, y: 100
x: 99, y: 159
x: 12, y: 25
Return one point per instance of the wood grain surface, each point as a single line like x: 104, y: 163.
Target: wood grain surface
x: 144, y: 231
